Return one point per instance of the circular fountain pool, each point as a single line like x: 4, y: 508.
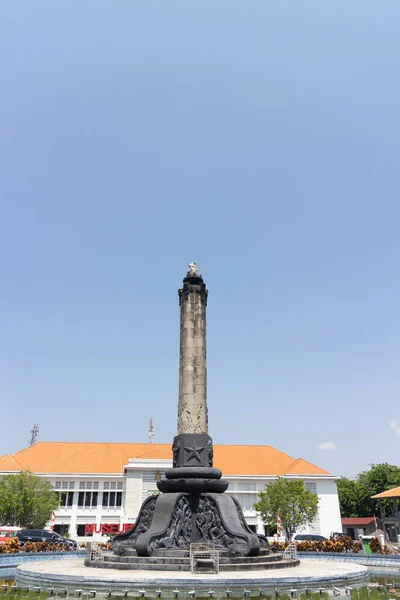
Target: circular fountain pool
x: 72, y: 574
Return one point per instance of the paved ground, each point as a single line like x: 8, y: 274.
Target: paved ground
x: 73, y: 572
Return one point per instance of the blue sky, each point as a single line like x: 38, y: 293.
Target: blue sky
x: 259, y: 139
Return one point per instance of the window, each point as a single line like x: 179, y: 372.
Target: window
x: 65, y: 485
x: 311, y: 486
x: 113, y: 485
x: 87, y: 485
x: 112, y: 499
x: 149, y: 482
x: 80, y: 530
x: 66, y: 499
x: 61, y: 529
x: 314, y: 526
x: 87, y: 499
x: 246, y: 486
x: 47, y: 534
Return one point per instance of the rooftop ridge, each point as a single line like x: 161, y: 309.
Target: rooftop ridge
x: 13, y: 460
x: 294, y: 463
x: 300, y: 460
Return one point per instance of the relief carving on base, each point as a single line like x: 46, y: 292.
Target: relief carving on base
x: 179, y: 531
x: 124, y: 541
x: 211, y: 529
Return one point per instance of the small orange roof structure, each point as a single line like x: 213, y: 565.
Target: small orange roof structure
x: 358, y: 521
x: 105, y: 458
x: 393, y: 493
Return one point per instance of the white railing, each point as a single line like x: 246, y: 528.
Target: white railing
x: 291, y: 551
x: 204, y: 558
x: 94, y: 552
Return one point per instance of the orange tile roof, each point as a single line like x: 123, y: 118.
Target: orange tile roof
x: 353, y: 522
x: 393, y: 493
x: 95, y: 457
x: 8, y: 463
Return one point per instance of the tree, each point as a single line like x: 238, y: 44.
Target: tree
x: 349, y: 497
x: 288, y: 497
x: 355, y: 495
x: 26, y: 500
x: 377, y: 479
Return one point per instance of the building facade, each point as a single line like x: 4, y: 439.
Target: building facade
x: 102, y: 485
x: 355, y: 527
x: 389, y: 508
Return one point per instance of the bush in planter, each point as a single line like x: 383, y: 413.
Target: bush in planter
x: 344, y: 544
x: 10, y: 546
x: 375, y: 545
x: 13, y: 546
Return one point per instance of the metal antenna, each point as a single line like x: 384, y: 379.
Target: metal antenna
x: 34, y: 433
x: 151, y: 431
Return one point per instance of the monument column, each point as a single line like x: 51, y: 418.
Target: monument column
x: 192, y: 406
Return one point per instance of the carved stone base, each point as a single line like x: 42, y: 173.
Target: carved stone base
x: 193, y: 472
x: 175, y: 520
x: 193, y: 485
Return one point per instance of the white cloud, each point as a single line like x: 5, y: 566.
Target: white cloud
x: 395, y: 426
x: 326, y: 446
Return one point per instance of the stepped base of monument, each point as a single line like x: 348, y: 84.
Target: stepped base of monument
x: 174, y: 521
x: 177, y: 560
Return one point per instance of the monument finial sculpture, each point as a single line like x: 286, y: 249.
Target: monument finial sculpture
x: 192, y: 271
x: 192, y: 506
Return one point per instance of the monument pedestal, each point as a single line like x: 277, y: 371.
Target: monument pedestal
x: 191, y: 509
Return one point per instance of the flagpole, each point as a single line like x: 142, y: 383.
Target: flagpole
x: 278, y: 525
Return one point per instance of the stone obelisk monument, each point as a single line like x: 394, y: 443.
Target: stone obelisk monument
x: 192, y: 407
x: 192, y: 448
x: 192, y: 506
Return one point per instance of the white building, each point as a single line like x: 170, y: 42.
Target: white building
x: 103, y: 484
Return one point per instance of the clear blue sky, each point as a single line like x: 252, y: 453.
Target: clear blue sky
x: 259, y: 139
